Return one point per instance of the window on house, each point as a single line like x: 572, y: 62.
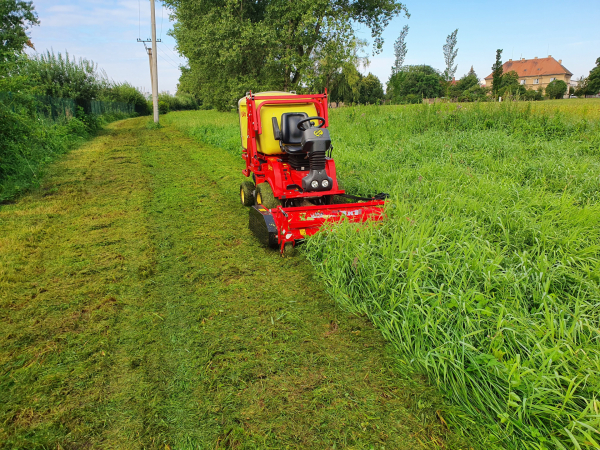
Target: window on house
x: 552, y: 79
x: 536, y: 81
x: 522, y: 81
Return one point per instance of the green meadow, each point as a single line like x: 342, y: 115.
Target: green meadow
x: 485, y: 277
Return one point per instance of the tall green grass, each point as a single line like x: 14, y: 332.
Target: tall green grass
x: 486, y: 275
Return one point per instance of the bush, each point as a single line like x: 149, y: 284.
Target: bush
x: 414, y: 81
x: 126, y: 93
x: 163, y: 107
x: 556, y: 89
x: 179, y: 102
x: 61, y: 76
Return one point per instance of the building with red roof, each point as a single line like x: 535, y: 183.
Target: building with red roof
x: 535, y: 73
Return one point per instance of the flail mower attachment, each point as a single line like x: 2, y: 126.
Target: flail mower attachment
x: 287, y: 150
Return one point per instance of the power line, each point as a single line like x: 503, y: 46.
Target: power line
x: 175, y: 54
x: 162, y: 49
x: 167, y: 61
x: 175, y: 67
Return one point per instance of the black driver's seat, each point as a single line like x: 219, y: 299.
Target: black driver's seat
x: 290, y: 137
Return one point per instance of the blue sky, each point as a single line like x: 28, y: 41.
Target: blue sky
x: 106, y: 32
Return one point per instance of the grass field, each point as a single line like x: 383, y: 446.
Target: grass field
x: 138, y: 312
x: 486, y: 275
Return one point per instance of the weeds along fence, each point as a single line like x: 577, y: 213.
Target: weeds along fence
x: 36, y: 129
x: 54, y: 109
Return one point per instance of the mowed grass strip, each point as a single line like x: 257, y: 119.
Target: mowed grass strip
x: 137, y: 311
x: 72, y: 260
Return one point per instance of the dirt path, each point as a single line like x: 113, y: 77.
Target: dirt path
x: 137, y: 311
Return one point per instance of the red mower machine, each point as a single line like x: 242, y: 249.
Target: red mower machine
x: 287, y: 150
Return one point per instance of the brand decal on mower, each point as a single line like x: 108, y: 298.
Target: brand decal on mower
x: 319, y: 133
x: 356, y: 212
x: 322, y: 216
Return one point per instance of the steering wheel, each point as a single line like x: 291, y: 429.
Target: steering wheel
x: 303, y: 121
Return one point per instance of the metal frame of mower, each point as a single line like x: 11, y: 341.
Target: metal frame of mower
x: 302, y: 195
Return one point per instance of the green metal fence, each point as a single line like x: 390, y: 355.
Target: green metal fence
x: 53, y: 108
x: 99, y: 108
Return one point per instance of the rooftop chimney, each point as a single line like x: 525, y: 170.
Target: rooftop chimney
x: 549, y: 56
x: 522, y: 59
x: 560, y: 61
x: 535, y: 57
x: 510, y: 59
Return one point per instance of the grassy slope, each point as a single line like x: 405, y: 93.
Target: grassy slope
x: 137, y: 311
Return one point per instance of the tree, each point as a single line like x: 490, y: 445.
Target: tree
x: 582, y: 86
x: 556, y: 89
x: 510, y: 79
x: 345, y: 85
x: 400, y: 50
x: 234, y: 46
x: 329, y: 61
x: 414, y: 83
x: 593, y: 79
x: 450, y: 55
x: 510, y: 87
x: 16, y: 17
x: 497, y: 73
x: 371, y: 90
x: 465, y: 83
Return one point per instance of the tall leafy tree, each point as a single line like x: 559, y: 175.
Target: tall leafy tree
x: 16, y: 17
x: 593, y: 79
x: 346, y: 84
x: 371, y: 90
x: 400, y: 50
x: 236, y: 45
x: 329, y: 62
x: 450, y: 52
x: 497, y: 72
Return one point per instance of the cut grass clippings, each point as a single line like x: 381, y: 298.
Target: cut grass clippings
x: 138, y: 311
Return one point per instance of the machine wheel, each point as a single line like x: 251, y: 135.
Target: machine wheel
x: 289, y: 250
x: 265, y: 197
x: 247, y: 193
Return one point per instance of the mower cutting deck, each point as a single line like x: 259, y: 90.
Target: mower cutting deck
x: 287, y: 150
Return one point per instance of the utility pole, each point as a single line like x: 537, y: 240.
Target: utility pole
x: 153, y: 54
x: 154, y: 72
x: 149, y: 50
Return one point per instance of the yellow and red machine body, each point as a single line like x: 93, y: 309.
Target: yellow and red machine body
x: 301, y: 211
